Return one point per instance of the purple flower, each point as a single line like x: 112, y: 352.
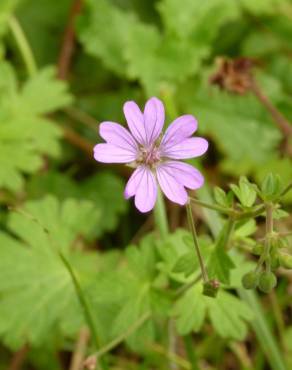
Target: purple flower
x: 154, y: 158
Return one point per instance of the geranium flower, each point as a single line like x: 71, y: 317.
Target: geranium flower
x: 154, y: 156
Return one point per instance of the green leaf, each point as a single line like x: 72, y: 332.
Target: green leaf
x: 221, y: 197
x: 263, y: 6
x: 245, y: 192
x: 137, y: 305
x: 235, y: 128
x: 271, y: 187
x: 141, y: 51
x: 142, y: 260
x: 174, y: 247
x: 33, y: 276
x: 104, y: 190
x: 191, y: 20
x: 140, y: 297
x: 25, y: 134
x: 186, y: 264
x: 245, y: 229
x: 219, y: 265
x: 227, y: 313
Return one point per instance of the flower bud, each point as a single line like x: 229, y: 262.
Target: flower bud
x: 267, y: 281
x: 285, y: 260
x: 211, y: 288
x: 250, y: 280
x: 257, y: 249
x: 271, y: 187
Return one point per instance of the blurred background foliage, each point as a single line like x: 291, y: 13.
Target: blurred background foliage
x: 52, y: 98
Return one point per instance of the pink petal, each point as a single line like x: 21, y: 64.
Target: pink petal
x: 188, y: 148
x: 146, y: 193
x: 133, y: 182
x: 170, y: 186
x: 109, y: 153
x: 154, y: 119
x: 135, y: 120
x: 143, y: 185
x: 180, y: 129
x: 185, y: 174
x: 115, y: 134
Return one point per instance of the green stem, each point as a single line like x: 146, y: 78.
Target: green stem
x: 214, y: 207
x: 180, y: 291
x: 190, y: 350
x: 160, y: 216
x: 229, y: 227
x: 23, y: 45
x: 237, y: 215
x: 131, y: 329
x: 251, y: 214
x: 82, y: 299
x: 286, y: 189
x: 196, y: 243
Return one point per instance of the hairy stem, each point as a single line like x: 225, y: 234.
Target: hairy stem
x: 196, y: 243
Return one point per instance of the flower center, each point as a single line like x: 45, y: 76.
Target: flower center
x: 149, y: 156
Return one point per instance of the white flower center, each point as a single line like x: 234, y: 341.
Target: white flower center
x: 149, y: 156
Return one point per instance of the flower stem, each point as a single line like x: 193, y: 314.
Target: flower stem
x: 160, y: 216
x: 196, y: 243
x: 23, y: 46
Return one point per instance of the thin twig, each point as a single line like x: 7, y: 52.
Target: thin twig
x: 172, y: 343
x: 19, y: 358
x: 81, y: 116
x: 78, y: 141
x: 80, y: 348
x: 283, y: 124
x: 67, y: 48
